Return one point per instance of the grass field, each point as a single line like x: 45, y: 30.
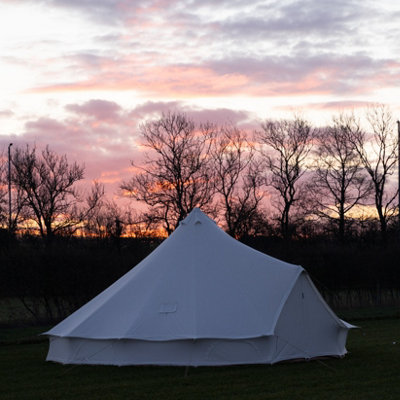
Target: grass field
x: 371, y: 370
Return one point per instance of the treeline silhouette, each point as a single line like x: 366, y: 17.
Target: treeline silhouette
x: 319, y: 197
x: 52, y: 281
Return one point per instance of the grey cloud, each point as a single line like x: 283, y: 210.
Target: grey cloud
x: 220, y: 116
x: 343, y: 73
x: 45, y: 125
x: 199, y: 115
x: 325, y: 25
x: 306, y: 16
x: 150, y: 108
x: 113, y: 12
x: 98, y: 109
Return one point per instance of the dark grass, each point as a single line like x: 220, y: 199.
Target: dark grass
x: 365, y: 313
x: 371, y: 370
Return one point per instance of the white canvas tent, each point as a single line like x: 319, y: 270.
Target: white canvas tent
x: 202, y: 298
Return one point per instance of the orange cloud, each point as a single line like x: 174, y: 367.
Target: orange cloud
x: 150, y: 76
x: 178, y: 81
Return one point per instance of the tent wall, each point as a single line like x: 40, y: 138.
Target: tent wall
x: 306, y: 328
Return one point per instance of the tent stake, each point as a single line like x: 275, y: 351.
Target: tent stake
x: 186, y: 371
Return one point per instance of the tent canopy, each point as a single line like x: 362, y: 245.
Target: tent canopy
x: 202, y: 293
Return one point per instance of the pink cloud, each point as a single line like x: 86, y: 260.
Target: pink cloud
x: 104, y: 136
x: 6, y: 113
x: 178, y: 81
x: 334, y: 106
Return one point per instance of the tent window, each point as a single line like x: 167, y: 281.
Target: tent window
x: 166, y: 308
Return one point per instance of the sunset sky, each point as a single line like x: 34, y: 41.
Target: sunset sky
x: 80, y: 75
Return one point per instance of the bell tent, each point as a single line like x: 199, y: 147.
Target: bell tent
x: 202, y: 298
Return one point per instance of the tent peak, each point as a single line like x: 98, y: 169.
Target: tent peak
x: 195, y: 217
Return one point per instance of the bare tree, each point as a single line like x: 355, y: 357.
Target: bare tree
x: 50, y: 198
x: 378, y: 153
x: 177, y: 175
x: 7, y: 219
x: 138, y: 225
x: 285, y: 145
x: 339, y: 182
x: 237, y: 180
x: 107, y: 220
